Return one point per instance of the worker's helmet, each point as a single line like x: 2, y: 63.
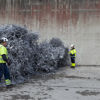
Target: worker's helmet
x: 3, y: 39
x: 72, y: 45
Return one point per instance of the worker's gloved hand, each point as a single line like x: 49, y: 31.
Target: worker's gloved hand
x: 9, y: 62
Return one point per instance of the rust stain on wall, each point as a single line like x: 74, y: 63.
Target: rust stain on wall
x: 44, y: 11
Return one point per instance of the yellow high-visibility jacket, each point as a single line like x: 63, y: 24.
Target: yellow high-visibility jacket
x: 72, y: 52
x: 3, y: 50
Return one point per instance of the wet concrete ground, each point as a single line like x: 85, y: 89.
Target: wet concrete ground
x: 81, y: 83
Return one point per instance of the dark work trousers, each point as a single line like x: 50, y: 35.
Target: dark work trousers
x: 72, y: 59
x: 4, y: 70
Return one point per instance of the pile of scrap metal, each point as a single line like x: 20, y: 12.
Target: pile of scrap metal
x: 28, y: 56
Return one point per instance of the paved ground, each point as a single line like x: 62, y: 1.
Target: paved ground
x: 82, y: 83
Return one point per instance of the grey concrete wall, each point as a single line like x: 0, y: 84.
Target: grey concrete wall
x: 73, y: 21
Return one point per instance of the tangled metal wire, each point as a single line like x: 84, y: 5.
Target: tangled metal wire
x: 28, y: 56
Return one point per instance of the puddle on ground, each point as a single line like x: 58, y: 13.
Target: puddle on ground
x: 88, y: 93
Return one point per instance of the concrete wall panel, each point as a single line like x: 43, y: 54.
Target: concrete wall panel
x: 73, y: 21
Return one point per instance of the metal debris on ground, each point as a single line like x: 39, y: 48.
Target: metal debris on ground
x: 28, y: 56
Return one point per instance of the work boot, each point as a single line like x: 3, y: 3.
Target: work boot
x: 72, y: 66
x: 9, y: 86
x: 8, y: 83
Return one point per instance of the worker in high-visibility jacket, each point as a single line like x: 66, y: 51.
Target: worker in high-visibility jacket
x: 4, y: 61
x: 72, y: 53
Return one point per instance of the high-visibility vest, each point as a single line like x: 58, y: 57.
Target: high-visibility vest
x: 72, y: 52
x: 3, y: 50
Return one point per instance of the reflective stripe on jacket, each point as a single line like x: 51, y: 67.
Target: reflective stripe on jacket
x: 72, y: 52
x: 3, y: 50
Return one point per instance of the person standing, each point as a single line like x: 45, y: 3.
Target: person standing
x: 4, y: 61
x: 72, y: 53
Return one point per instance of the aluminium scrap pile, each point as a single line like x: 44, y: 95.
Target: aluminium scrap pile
x: 28, y: 56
